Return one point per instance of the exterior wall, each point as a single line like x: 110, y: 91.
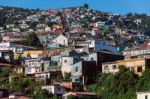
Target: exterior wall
x: 53, y: 45
x: 66, y: 64
x: 143, y: 95
x: 33, y: 66
x: 7, y: 55
x: 32, y: 70
x: 84, y: 72
x: 18, y: 70
x: 61, y: 40
x: 5, y: 46
x: 55, y: 89
x: 42, y: 77
x: 33, y: 53
x: 92, y: 57
x: 103, y: 57
x: 101, y: 45
x: 129, y: 54
x: 76, y: 72
x: 134, y: 64
x: 110, y: 68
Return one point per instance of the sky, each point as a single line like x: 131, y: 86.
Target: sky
x: 114, y: 6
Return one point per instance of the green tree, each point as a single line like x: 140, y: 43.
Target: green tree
x: 67, y: 76
x: 32, y: 40
x: 86, y: 6
x: 71, y: 97
x: 118, y: 86
x: 144, y: 81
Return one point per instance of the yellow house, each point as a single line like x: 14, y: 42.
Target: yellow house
x: 32, y: 53
x: 137, y: 65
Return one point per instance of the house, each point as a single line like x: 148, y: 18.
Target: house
x: 7, y: 55
x: 99, y: 24
x: 9, y: 37
x: 47, y: 29
x: 53, y: 45
x: 17, y: 95
x: 61, y: 39
x: 55, y: 89
x: 33, y: 66
x: 43, y: 77
x: 110, y: 67
x: 4, y: 92
x: 32, y: 53
x: 137, y: 65
x: 80, y: 45
x: 18, y: 69
x: 57, y: 26
x: 52, y: 52
x: 16, y: 48
x: 96, y: 45
x: 84, y: 72
x: 141, y: 50
x: 104, y: 56
x: 69, y: 57
x: 143, y: 95
x: 80, y: 95
x: 54, y: 65
x: 15, y: 29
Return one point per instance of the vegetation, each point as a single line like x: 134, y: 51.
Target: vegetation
x: 32, y: 40
x: 67, y: 77
x: 122, y: 85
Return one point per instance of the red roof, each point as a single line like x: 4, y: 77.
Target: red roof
x: 141, y: 47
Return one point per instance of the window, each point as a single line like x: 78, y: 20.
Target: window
x: 106, y: 67
x: 76, y: 69
x: 139, y: 69
x: 77, y: 80
x: 65, y: 61
x: 29, y: 69
x: 92, y: 59
x: 146, y: 96
x: 58, y: 88
x: 114, y: 66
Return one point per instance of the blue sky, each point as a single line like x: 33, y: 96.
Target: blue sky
x: 114, y: 6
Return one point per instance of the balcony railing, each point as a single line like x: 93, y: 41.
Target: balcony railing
x: 54, y: 68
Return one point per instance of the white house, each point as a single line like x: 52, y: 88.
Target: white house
x: 61, y: 39
x: 143, y: 95
x: 68, y: 59
x: 33, y: 66
x: 55, y: 89
x: 16, y: 48
x: 99, y: 24
x: 42, y: 77
x: 97, y: 45
x: 47, y: 29
x: 110, y: 67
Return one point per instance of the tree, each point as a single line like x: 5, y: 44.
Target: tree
x: 118, y: 86
x: 86, y: 6
x: 144, y: 81
x: 67, y: 76
x: 32, y: 40
x: 71, y: 97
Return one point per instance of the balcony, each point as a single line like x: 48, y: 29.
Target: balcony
x: 54, y: 68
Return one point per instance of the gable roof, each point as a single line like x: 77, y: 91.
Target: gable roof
x: 140, y: 47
